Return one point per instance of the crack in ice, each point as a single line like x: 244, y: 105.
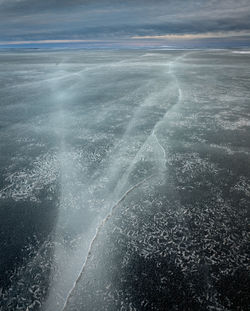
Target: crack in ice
x: 126, y: 174
x: 159, y: 144
x: 102, y: 224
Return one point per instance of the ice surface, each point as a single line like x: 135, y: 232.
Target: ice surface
x: 124, y: 180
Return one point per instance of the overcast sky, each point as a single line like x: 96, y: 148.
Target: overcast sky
x: 123, y: 20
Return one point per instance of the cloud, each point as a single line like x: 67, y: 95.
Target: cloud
x: 190, y: 36
x: 28, y: 20
x: 44, y: 42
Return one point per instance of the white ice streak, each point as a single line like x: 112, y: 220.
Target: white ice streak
x: 61, y: 74
x: 120, y: 186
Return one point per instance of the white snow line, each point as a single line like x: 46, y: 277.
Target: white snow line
x: 96, y: 236
x: 178, y: 101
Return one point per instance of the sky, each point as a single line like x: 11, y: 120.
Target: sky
x: 121, y: 23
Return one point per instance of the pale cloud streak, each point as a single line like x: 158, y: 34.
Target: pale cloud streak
x: 191, y: 36
x: 44, y: 42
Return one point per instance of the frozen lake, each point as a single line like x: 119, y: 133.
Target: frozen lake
x: 124, y: 180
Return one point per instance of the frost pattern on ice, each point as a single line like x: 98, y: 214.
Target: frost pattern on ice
x: 26, y: 184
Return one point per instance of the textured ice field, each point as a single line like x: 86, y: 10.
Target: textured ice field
x: 124, y: 180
